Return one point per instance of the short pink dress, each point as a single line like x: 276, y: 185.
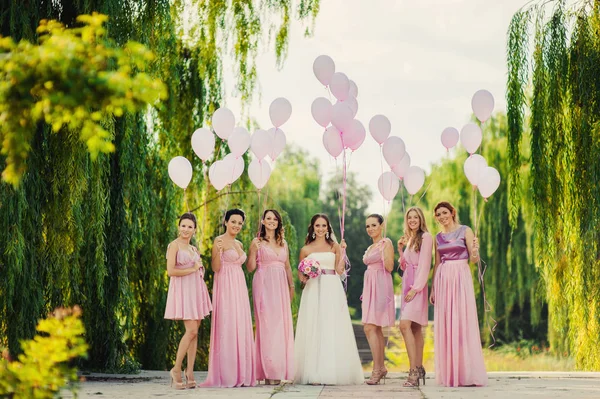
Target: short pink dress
x: 416, y: 266
x: 378, y: 289
x: 188, y: 297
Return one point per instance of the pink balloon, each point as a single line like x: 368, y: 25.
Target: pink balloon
x: 280, y: 111
x: 239, y: 141
x: 414, y: 179
x: 234, y: 167
x: 332, y: 141
x: 354, y: 135
x: 321, y: 110
x: 203, y: 143
x: 261, y: 144
x: 352, y: 104
x: 223, y: 122
x: 449, y: 137
x: 388, y: 185
x: 339, y: 86
x: 324, y: 68
x: 341, y: 116
x: 353, y: 91
x: 402, y: 167
x: 217, y: 175
x: 470, y: 137
x: 380, y: 128
x: 489, y: 182
x: 482, y: 104
x: 278, y: 139
x: 180, y: 171
x: 393, y: 150
x: 473, y: 166
x: 259, y: 172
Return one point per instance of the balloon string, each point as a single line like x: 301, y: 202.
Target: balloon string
x: 347, y: 266
x: 422, y: 195
x: 205, y: 206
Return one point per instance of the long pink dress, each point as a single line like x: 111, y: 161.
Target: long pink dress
x: 416, y: 266
x: 378, y: 289
x: 188, y: 297
x: 231, y: 360
x: 273, y: 316
x: 457, y: 344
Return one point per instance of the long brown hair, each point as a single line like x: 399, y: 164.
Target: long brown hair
x: 279, y: 231
x: 415, y: 238
x: 311, y: 229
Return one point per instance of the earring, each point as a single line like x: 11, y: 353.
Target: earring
x: 313, y: 235
x: 327, y: 235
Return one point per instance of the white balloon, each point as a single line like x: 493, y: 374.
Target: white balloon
x: 470, y: 137
x: 261, y: 144
x: 217, y: 175
x: 341, y: 116
x: 489, y: 182
x: 234, y: 167
x: 321, y: 110
x: 339, y: 86
x: 324, y: 68
x: 223, y: 122
x: 280, y: 111
x: 388, y: 185
x: 449, y: 137
x: 354, y: 135
x: 259, y: 172
x: 239, y: 141
x: 482, y: 104
x: 473, y: 166
x: 203, y: 143
x: 353, y: 104
x: 414, y: 179
x: 380, y: 128
x: 332, y: 141
x: 393, y: 150
x: 402, y: 167
x: 278, y: 139
x: 180, y: 171
x: 353, y: 91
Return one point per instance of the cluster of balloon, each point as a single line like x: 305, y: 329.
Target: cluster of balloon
x: 226, y: 171
x: 480, y: 175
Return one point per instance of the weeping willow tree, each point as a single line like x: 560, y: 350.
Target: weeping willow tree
x: 555, y: 51
x: 94, y: 232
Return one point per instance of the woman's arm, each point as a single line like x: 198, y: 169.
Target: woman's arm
x: 301, y: 276
x: 253, y: 255
x: 217, y: 249
x: 401, y: 260
x: 340, y: 263
x: 388, y: 255
x: 172, y: 259
x: 472, y: 245
x: 424, y: 265
x: 437, y: 263
x: 288, y: 272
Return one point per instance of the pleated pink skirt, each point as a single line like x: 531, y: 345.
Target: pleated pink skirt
x: 378, y: 297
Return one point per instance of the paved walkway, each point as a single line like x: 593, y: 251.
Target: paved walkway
x: 513, y: 385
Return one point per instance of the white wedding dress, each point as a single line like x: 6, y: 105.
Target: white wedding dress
x: 325, y: 349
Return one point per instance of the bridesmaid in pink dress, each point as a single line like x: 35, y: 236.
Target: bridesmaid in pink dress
x: 416, y: 263
x: 231, y: 361
x: 378, y: 294
x: 272, y: 291
x: 188, y: 298
x: 458, y: 354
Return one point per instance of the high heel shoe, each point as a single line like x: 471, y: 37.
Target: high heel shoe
x: 384, y: 373
x: 413, y: 379
x: 376, y: 376
x: 178, y: 385
x: 422, y: 373
x: 190, y: 383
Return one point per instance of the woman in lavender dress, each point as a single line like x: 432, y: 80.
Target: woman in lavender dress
x: 458, y: 354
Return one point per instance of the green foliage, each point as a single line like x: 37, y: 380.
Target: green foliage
x: 46, y: 364
x: 73, y: 80
x: 565, y: 167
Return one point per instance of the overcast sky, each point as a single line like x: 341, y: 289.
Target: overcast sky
x: 418, y: 62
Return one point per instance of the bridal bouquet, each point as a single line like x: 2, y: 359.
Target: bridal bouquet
x: 310, y: 267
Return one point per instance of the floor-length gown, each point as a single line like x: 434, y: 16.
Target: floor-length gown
x: 231, y: 360
x: 416, y: 265
x: 458, y: 354
x: 188, y: 297
x: 325, y: 349
x: 378, y: 289
x: 273, y: 316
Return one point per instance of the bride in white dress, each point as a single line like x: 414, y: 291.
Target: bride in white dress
x: 325, y: 349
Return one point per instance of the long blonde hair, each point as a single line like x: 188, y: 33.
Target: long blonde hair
x: 415, y: 238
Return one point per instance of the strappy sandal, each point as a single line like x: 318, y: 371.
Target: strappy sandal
x: 413, y: 379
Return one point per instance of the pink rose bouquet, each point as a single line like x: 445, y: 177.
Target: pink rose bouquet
x: 310, y: 268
